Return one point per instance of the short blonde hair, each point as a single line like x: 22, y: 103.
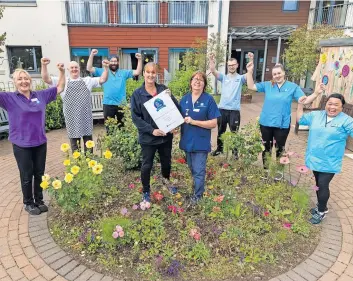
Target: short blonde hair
x: 152, y: 65
x: 17, y: 73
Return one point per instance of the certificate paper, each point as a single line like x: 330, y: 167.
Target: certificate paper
x: 164, y: 112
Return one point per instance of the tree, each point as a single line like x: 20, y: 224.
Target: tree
x: 3, y: 36
x: 303, y: 52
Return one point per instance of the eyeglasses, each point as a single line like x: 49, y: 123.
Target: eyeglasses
x: 232, y: 65
x: 198, y: 80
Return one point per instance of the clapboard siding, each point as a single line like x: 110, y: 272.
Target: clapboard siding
x: 250, y: 13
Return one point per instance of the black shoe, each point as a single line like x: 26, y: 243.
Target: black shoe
x: 32, y: 209
x: 42, y: 207
x: 216, y: 153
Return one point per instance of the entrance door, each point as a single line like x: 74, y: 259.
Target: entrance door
x: 242, y: 56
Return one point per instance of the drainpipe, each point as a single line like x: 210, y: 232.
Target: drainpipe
x: 219, y: 32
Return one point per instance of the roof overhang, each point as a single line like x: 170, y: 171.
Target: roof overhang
x: 267, y: 32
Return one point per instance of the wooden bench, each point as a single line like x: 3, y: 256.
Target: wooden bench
x: 4, y: 121
x: 97, y: 105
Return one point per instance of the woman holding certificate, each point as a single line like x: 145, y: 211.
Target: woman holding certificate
x: 151, y: 138
x: 200, y: 114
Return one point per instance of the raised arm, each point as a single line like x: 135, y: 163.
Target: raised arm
x: 319, y: 89
x: 249, y: 73
x: 44, y: 70
x: 212, y: 64
x: 61, y: 82
x: 104, y: 76
x: 90, y: 67
x: 138, y: 70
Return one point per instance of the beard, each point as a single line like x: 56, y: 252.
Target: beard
x: 114, y: 67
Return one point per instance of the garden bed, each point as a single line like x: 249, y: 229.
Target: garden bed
x: 245, y: 226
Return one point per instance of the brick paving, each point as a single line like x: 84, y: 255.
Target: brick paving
x: 27, y: 251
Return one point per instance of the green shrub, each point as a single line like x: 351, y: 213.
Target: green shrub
x: 131, y: 86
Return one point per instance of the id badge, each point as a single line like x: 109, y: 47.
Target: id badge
x: 196, y: 110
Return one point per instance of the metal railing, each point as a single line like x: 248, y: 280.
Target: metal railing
x: 135, y: 12
x: 339, y: 16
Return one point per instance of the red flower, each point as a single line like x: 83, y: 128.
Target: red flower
x: 287, y: 225
x: 157, y: 196
x: 266, y: 213
x: 197, y: 236
x: 225, y: 165
x: 180, y: 210
x: 173, y: 209
x: 131, y: 186
x: 181, y: 160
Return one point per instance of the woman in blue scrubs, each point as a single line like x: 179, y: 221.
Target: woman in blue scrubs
x: 200, y: 114
x: 328, y: 133
x: 275, y: 116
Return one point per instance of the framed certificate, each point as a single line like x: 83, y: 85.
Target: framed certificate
x: 164, y: 112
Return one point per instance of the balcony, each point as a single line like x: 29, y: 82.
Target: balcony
x: 135, y: 13
x: 339, y: 16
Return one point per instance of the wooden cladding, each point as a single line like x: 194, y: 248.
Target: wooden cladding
x: 252, y: 13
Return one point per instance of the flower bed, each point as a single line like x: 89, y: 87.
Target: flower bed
x: 244, y: 226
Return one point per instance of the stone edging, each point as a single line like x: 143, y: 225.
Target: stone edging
x: 315, y: 266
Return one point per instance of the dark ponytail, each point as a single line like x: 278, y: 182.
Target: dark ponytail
x: 337, y: 96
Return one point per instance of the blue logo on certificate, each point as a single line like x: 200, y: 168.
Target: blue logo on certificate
x: 159, y: 104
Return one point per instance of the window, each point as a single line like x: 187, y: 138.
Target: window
x: 18, y: 3
x: 86, y: 12
x: 176, y: 56
x: 80, y: 55
x: 290, y: 5
x: 27, y: 58
x: 138, y: 12
x: 188, y: 12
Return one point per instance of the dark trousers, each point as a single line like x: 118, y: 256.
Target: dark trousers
x: 76, y: 144
x: 148, y: 152
x: 323, y: 194
x: 228, y: 117
x: 31, y: 164
x: 113, y: 111
x: 268, y: 135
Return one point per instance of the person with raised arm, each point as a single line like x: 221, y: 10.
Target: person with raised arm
x: 26, y: 111
x: 77, y: 104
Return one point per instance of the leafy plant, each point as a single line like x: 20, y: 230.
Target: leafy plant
x: 2, y: 36
x: 199, y: 253
x: 302, y: 53
x: 276, y: 210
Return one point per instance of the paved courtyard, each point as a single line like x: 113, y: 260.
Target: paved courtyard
x: 27, y: 251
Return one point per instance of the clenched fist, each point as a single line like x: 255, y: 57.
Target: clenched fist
x: 138, y: 56
x: 45, y: 61
x: 105, y: 63
x: 94, y: 52
x: 60, y: 66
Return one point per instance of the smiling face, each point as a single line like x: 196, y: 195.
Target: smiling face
x: 23, y: 81
x: 74, y: 70
x: 150, y: 73
x: 113, y: 64
x: 232, y: 65
x: 333, y: 107
x: 278, y: 74
x: 198, y: 82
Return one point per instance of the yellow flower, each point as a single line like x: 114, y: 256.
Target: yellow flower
x: 97, y: 169
x: 180, y: 203
x: 178, y: 195
x: 64, y: 147
x: 76, y: 154
x: 67, y: 162
x: 56, y: 184
x: 323, y: 58
x: 88, y: 159
x: 46, y: 177
x: 44, y: 184
x: 69, y: 177
x: 107, y: 154
x: 90, y: 144
x: 210, y: 187
x: 92, y: 163
x: 75, y: 169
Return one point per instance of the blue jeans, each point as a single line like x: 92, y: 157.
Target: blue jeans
x: 197, y: 164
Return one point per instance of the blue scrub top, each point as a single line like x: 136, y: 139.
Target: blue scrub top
x: 231, y: 91
x: 115, y: 87
x: 195, y: 138
x: 276, y: 111
x: 326, y: 141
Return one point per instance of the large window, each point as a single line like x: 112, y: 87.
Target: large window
x: 86, y: 12
x: 139, y: 12
x: 188, y: 12
x: 290, y: 5
x: 80, y: 55
x: 27, y: 58
x: 176, y: 56
x: 18, y: 3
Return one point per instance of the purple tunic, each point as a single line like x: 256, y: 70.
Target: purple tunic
x: 27, y: 116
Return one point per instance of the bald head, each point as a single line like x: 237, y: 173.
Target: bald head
x: 74, y: 70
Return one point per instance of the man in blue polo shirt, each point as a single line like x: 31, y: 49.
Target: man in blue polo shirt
x: 229, y: 104
x: 115, y: 87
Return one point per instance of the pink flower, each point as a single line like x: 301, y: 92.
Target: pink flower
x: 138, y: 180
x: 274, y: 141
x: 180, y: 210
x: 197, y: 236
x: 290, y: 153
x: 287, y: 225
x: 118, y: 228
x: 115, y: 234
x: 173, y: 209
x: 302, y: 169
x: 266, y: 213
x: 131, y: 185
x: 225, y: 165
x: 193, y: 231
x: 135, y: 207
x: 216, y: 209
x: 148, y: 205
x: 121, y: 234
x: 145, y: 205
x: 294, y: 182
x: 284, y: 160
x: 157, y: 196
x: 314, y: 187
x: 219, y: 198
x: 124, y: 211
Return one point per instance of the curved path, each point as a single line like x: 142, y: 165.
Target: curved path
x: 27, y: 251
